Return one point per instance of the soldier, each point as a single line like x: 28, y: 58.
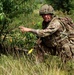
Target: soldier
x: 51, y: 38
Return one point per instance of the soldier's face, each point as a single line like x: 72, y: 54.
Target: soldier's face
x: 47, y: 17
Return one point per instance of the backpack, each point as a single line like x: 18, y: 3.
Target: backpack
x: 68, y: 26
x: 67, y: 22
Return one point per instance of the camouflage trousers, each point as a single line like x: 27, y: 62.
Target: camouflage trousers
x: 64, y: 49
x: 67, y: 50
x: 41, y: 50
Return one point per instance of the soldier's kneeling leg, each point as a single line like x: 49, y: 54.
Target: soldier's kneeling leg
x: 39, y: 54
x: 66, y: 52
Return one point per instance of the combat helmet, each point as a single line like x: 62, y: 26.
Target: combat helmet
x: 46, y: 9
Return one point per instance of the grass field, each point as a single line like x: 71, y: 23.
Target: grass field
x: 27, y: 66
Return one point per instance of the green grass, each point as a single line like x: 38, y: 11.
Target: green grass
x: 27, y: 66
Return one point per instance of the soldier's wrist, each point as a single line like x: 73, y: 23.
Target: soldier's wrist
x: 33, y: 31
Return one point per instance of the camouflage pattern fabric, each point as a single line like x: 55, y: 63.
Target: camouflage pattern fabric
x: 46, y: 9
x: 53, y: 39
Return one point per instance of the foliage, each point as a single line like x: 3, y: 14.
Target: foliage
x: 9, y: 10
x: 25, y: 40
x: 64, y: 5
x: 12, y: 6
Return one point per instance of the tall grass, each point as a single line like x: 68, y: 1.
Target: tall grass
x: 27, y: 66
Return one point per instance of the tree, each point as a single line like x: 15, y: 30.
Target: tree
x: 9, y: 9
x: 64, y: 5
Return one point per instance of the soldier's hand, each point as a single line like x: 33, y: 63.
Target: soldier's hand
x: 24, y: 29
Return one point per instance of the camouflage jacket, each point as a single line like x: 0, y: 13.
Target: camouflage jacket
x: 50, y: 32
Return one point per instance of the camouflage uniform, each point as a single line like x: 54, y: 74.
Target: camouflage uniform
x: 52, y: 40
